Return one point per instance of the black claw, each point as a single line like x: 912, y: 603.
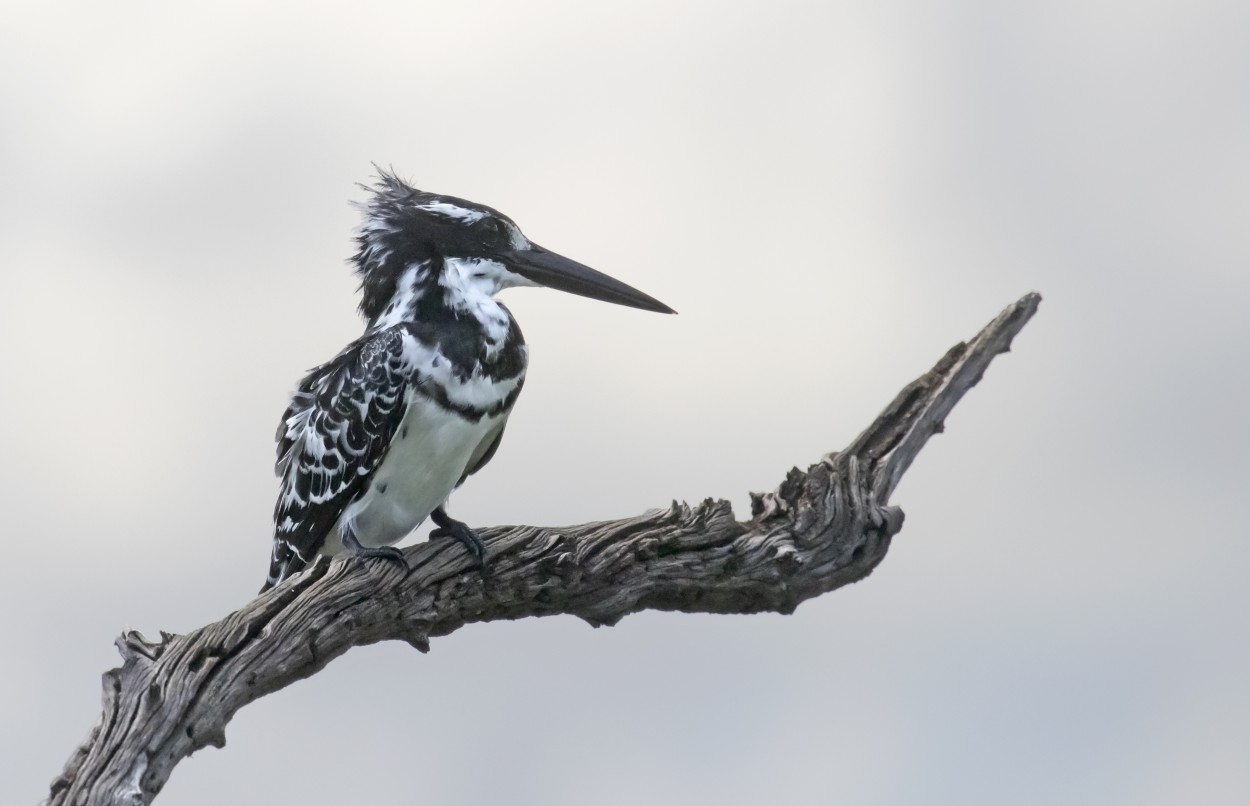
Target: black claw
x: 450, y: 527
x: 354, y: 548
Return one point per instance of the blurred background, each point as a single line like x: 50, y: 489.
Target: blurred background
x: 831, y: 194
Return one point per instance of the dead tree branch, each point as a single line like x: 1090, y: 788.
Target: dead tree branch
x: 823, y: 528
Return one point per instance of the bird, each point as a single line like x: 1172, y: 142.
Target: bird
x: 375, y: 440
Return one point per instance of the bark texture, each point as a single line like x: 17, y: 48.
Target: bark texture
x: 821, y: 529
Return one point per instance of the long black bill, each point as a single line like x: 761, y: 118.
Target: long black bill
x: 558, y: 272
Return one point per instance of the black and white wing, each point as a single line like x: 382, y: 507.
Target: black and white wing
x: 332, y: 437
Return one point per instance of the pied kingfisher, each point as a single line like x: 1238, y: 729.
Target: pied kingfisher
x: 375, y: 439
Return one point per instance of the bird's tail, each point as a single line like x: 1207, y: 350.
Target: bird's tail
x: 284, y: 561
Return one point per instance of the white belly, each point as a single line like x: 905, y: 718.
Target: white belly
x: 427, y: 456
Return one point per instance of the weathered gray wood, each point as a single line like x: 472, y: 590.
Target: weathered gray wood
x: 823, y: 528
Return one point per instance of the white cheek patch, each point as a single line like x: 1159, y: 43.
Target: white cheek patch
x: 469, y: 276
x: 471, y: 283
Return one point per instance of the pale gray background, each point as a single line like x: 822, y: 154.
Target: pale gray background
x: 831, y: 194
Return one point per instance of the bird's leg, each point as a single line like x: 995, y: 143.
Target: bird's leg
x: 450, y: 527
x: 351, y: 544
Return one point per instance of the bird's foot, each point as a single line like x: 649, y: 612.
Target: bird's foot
x: 353, y: 547
x: 450, y: 527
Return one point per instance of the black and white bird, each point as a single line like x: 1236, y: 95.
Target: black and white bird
x: 375, y: 440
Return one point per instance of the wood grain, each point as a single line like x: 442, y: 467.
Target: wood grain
x: 823, y: 528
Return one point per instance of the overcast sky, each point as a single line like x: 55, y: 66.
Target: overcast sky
x: 831, y: 194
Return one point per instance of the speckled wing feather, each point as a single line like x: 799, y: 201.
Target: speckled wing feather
x: 333, y: 435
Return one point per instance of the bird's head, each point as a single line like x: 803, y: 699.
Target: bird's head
x: 462, y: 247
